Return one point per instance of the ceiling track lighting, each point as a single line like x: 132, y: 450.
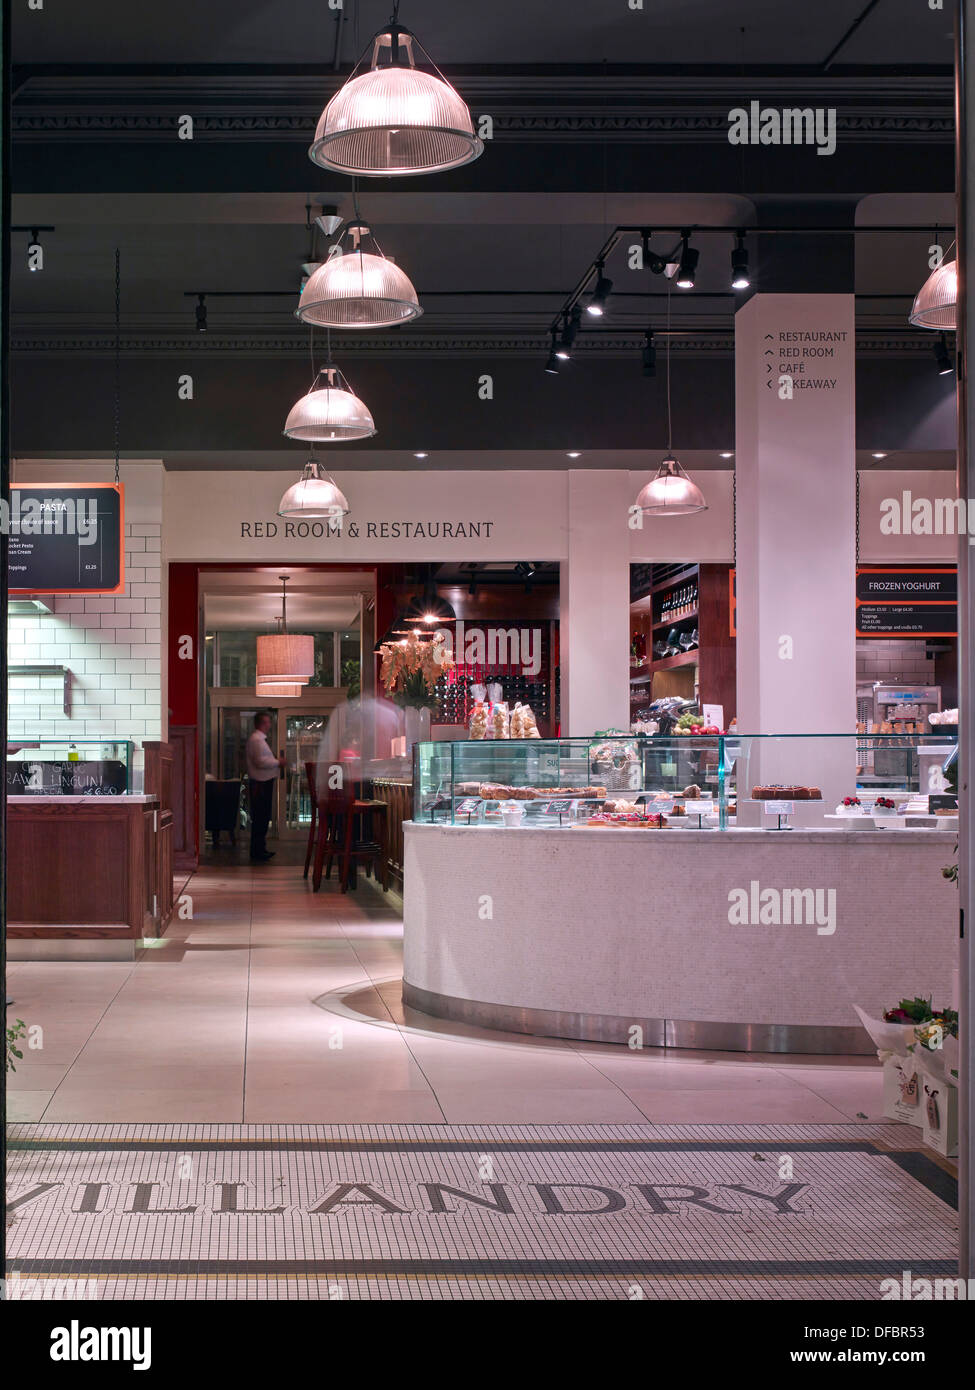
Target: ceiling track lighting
x: 740, y: 278
x: 570, y: 331
x: 331, y: 413
x: 201, y: 314
x: 670, y: 492
x: 936, y: 303
x: 358, y: 288
x: 552, y: 365
x: 942, y: 356
x: 600, y: 295
x: 285, y: 658
x: 687, y: 267
x: 394, y: 119
x: 316, y: 494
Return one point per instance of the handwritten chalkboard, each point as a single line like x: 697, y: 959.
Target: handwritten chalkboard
x: 66, y: 538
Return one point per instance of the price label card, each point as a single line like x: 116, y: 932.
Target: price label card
x: 468, y: 806
x: 779, y: 808
x: 559, y: 808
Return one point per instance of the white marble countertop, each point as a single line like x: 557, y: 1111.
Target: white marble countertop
x: 746, y: 835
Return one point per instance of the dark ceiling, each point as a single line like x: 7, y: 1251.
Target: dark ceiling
x: 603, y: 115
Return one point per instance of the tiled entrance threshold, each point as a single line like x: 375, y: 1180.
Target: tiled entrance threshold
x: 249, y: 1112
x: 473, y: 1212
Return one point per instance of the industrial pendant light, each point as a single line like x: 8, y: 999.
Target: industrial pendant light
x: 285, y: 657
x: 393, y: 119
x: 935, y: 305
x: 331, y: 412
x: 670, y: 491
x: 428, y: 609
x: 358, y: 289
x: 315, y: 494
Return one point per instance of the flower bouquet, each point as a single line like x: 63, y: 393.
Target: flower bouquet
x: 411, y: 669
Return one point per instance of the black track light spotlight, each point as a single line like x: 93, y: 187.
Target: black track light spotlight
x: 740, y: 278
x: 649, y: 355
x: 688, y: 266
x: 942, y: 356
x: 201, y: 313
x: 604, y: 288
x: 552, y: 365
x: 570, y: 330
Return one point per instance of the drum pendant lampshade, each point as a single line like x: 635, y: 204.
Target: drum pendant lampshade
x: 315, y: 494
x: 935, y: 305
x: 330, y: 413
x: 278, y: 690
x: 671, y: 493
x: 285, y: 658
x: 394, y: 119
x: 358, y: 289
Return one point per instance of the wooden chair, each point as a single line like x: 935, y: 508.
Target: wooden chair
x: 339, y: 811
x: 313, y: 828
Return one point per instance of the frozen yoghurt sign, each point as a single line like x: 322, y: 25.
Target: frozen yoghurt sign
x: 356, y: 529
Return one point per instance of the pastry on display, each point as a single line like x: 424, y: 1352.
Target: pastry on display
x: 679, y: 810
x: 500, y: 722
x: 883, y: 806
x: 774, y: 792
x: 693, y: 792
x: 850, y: 806
x: 479, y: 718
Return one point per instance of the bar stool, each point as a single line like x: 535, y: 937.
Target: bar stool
x: 338, y: 811
x: 313, y: 828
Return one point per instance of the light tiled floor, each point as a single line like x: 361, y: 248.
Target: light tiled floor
x: 259, y: 1059
x: 277, y: 1005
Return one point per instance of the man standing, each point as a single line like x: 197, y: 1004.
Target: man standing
x: 262, y: 770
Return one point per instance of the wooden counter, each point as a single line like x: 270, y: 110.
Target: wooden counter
x: 84, y: 869
x: 398, y: 796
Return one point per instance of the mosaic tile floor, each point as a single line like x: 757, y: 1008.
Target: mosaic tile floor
x: 473, y: 1212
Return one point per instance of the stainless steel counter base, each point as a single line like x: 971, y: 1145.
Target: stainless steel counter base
x: 656, y: 1032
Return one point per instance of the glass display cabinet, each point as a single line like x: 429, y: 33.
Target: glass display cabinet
x: 695, y: 781
x: 69, y: 767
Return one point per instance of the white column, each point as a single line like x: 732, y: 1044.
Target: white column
x: 796, y: 515
x: 595, y: 604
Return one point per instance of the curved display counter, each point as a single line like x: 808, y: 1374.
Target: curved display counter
x: 729, y: 940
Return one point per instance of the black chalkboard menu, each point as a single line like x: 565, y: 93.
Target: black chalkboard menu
x: 892, y: 602
x: 66, y: 538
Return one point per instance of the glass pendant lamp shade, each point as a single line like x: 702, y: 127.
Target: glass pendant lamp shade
x: 360, y: 289
x: 330, y: 413
x: 315, y: 494
x: 285, y: 658
x: 671, y: 493
x: 394, y: 119
x: 935, y: 305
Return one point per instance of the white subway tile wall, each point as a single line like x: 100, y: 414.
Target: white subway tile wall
x: 112, y: 648
x: 897, y: 659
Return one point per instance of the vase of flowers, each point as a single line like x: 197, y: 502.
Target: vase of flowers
x: 410, y: 671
